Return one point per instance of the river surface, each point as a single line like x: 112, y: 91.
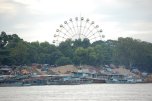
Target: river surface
x: 87, y: 92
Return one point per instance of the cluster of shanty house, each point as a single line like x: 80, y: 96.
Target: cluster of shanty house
x: 69, y: 74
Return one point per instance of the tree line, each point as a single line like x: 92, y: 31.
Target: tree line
x: 129, y: 52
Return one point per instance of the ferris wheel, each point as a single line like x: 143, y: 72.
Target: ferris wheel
x: 78, y: 28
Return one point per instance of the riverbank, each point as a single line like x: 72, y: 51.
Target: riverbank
x: 69, y: 75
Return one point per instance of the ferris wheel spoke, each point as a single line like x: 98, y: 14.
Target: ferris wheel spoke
x: 60, y: 36
x: 73, y: 27
x: 94, y: 28
x: 70, y: 29
x: 66, y: 30
x: 84, y: 27
x: 72, y: 32
x: 90, y: 36
x: 87, y: 30
x: 77, y: 24
x: 61, y: 32
x: 90, y: 32
x: 97, y: 32
x: 78, y: 28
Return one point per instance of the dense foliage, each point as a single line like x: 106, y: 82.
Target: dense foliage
x: 126, y: 51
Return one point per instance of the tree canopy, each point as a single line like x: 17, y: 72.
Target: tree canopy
x: 130, y: 52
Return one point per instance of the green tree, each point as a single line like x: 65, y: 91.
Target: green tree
x: 63, y: 61
x: 20, y: 53
x: 81, y: 54
x: 66, y: 48
x: 3, y: 39
x: 54, y: 56
x: 91, y: 57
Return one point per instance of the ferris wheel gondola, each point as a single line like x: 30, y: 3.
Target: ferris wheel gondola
x: 78, y: 28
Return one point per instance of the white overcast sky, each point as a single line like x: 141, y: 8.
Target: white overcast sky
x: 38, y: 20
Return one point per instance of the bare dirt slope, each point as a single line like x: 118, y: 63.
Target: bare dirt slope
x: 64, y: 69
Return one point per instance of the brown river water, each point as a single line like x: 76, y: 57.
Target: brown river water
x: 86, y: 92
